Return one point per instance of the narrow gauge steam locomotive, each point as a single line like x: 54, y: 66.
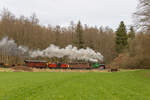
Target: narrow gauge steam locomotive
x: 45, y: 64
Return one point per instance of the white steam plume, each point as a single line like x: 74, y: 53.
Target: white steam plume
x: 69, y: 51
x: 11, y: 48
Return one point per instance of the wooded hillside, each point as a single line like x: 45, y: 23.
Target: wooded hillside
x: 28, y: 32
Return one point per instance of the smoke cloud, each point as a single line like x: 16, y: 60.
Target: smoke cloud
x: 69, y: 51
x: 11, y: 48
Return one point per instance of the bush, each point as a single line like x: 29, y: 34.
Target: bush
x: 138, y: 53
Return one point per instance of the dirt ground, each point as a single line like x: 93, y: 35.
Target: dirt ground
x: 22, y: 68
x: 28, y: 69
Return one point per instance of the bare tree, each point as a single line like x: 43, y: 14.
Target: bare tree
x: 142, y: 15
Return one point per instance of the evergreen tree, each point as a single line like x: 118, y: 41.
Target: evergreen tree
x: 121, y: 38
x: 131, y: 34
x: 57, y: 35
x: 79, y: 33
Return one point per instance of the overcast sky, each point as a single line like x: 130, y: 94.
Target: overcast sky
x: 61, y: 12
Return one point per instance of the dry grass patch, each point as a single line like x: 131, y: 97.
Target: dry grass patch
x: 5, y: 70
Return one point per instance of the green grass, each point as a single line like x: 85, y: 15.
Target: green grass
x: 126, y: 85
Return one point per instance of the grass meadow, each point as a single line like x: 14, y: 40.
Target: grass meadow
x: 124, y: 85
